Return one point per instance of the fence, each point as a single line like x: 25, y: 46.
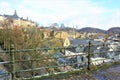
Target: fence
x: 40, y: 62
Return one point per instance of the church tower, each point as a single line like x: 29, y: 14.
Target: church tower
x: 15, y: 15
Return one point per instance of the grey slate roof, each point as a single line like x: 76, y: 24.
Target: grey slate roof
x: 58, y: 55
x: 76, y: 49
x: 60, y: 58
x: 77, y: 42
x: 11, y: 16
x: 14, y: 16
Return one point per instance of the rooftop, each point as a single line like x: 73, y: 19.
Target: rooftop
x: 14, y: 16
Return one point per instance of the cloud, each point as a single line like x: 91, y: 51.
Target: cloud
x: 71, y: 12
x: 4, y: 4
x: 114, y: 20
x: 5, y: 8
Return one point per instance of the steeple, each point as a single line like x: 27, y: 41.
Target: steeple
x: 15, y: 15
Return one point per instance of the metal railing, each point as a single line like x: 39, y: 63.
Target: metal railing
x: 39, y: 62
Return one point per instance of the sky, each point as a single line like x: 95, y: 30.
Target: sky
x: 102, y: 14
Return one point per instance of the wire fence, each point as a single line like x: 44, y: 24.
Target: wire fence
x: 39, y: 63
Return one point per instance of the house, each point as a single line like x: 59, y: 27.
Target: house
x: 114, y: 38
x: 80, y: 42
x: 63, y: 61
x: 65, y: 34
x: 100, y: 60
x: 113, y: 46
x: 80, y: 49
x: 76, y: 56
x: 60, y: 58
x: 74, y: 34
x: 61, y: 34
x: 45, y: 32
x: 81, y: 45
x: 71, y: 60
x: 110, y: 54
x: 66, y: 42
x: 75, y: 42
x: 100, y: 38
x: 114, y: 54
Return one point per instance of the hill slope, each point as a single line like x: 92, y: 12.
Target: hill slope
x: 89, y: 29
x: 114, y: 30
x: 94, y: 30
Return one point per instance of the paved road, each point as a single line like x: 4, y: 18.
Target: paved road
x: 112, y: 73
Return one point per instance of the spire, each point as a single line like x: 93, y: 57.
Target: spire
x: 15, y: 14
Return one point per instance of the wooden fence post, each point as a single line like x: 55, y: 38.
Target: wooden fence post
x: 12, y: 61
x: 89, y: 56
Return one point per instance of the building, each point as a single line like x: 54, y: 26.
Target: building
x: 2, y: 18
x: 14, y: 16
x: 17, y: 21
x: 61, y: 34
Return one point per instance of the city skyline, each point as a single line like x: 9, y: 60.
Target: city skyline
x: 102, y: 14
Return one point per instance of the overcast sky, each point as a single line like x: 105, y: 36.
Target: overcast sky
x: 102, y: 14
